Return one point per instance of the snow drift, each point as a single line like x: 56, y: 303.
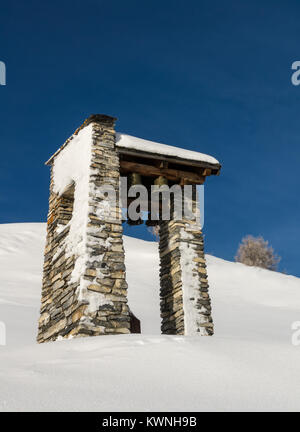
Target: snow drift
x: 249, y: 364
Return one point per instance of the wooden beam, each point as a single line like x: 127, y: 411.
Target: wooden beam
x: 206, y: 172
x: 170, y: 174
x: 172, y: 159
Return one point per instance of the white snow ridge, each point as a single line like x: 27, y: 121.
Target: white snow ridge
x: 249, y: 364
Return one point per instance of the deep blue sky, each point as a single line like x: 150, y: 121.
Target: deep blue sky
x: 212, y: 76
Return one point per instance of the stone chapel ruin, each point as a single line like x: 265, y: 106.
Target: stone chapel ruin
x: 84, y: 282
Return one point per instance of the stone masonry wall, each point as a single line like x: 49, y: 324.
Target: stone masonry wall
x: 59, y: 302
x: 105, y: 269
x: 185, y: 302
x: 84, y: 286
x: 95, y: 303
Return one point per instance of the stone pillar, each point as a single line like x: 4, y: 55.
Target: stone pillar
x: 185, y: 302
x: 84, y: 288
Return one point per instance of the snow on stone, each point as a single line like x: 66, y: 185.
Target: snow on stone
x: 134, y: 143
x: 72, y: 165
x: 249, y: 364
x: 190, y: 286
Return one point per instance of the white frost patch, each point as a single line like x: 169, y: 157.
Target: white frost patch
x: 131, y: 142
x: 57, y: 253
x: 190, y: 287
x: 60, y: 228
x: 95, y: 301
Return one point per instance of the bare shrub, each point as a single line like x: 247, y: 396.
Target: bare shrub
x: 255, y: 251
x: 154, y: 230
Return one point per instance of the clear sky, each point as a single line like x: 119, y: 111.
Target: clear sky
x: 211, y: 76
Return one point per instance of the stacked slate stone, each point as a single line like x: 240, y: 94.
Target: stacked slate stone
x: 65, y: 311
x: 177, y: 300
x: 113, y: 316
x: 58, y: 304
x: 171, y: 301
x: 201, y: 302
x: 91, y: 298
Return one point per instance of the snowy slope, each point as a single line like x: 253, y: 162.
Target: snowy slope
x: 250, y: 363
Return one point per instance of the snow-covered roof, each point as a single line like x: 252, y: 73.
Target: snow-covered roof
x: 133, y: 143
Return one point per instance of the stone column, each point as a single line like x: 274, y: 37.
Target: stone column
x: 84, y: 287
x: 185, y: 302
